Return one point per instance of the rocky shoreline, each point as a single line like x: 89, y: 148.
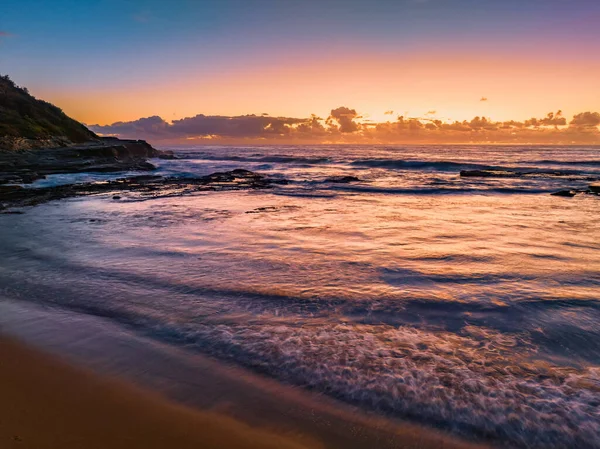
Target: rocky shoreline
x: 142, y: 187
x: 102, y: 155
x: 105, y: 155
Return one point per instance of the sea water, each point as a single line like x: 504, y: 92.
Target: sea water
x: 467, y: 303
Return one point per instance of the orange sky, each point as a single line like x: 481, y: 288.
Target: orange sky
x: 450, y: 84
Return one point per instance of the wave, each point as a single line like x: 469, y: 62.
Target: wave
x: 418, y: 164
x: 451, y: 166
x: 438, y: 190
x: 565, y: 163
x: 532, y: 168
x: 282, y: 159
x: 465, y: 382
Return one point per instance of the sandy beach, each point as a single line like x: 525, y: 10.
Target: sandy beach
x: 47, y: 403
x: 70, y: 381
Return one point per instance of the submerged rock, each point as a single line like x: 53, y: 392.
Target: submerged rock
x: 565, y: 193
x: 488, y: 174
x: 591, y: 190
x: 342, y: 179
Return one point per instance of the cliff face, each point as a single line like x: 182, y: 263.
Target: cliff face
x: 27, y: 123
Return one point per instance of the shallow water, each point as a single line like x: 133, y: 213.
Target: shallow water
x: 467, y: 303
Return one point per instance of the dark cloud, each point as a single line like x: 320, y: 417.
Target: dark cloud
x: 312, y: 127
x: 246, y: 126
x: 345, y: 118
x: 482, y: 123
x: 586, y: 119
x: 345, y: 125
x: 551, y: 119
x: 148, y: 127
x: 240, y: 126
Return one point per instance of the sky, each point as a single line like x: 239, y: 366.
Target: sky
x: 106, y: 61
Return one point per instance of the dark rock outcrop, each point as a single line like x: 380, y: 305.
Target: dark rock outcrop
x: 167, y: 154
x: 104, y: 155
x: 565, y: 193
x: 144, y: 187
x: 593, y: 189
x: 342, y: 179
x: 487, y: 174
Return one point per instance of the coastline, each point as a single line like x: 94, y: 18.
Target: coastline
x: 68, y: 372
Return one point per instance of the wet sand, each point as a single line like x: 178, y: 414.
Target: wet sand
x: 49, y: 404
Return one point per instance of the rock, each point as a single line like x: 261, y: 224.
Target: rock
x: 565, y: 193
x: 342, y: 179
x: 10, y: 189
x: 147, y: 186
x: 144, y: 165
x: 167, y: 154
x: 240, y: 172
x: 489, y: 174
x: 281, y: 182
x: 106, y: 155
x: 28, y: 178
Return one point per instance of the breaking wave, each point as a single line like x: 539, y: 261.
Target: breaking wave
x: 467, y: 382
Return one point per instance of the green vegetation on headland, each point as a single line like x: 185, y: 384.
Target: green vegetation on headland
x: 23, y: 116
x: 37, y: 139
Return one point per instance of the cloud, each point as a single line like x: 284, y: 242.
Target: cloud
x: 4, y: 34
x: 246, y: 126
x: 148, y: 126
x: 483, y: 99
x: 390, y: 112
x: 432, y: 112
x: 239, y: 126
x: 551, y: 119
x: 344, y: 125
x: 586, y: 119
x: 345, y: 118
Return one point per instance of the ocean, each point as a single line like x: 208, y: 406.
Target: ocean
x: 470, y: 304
